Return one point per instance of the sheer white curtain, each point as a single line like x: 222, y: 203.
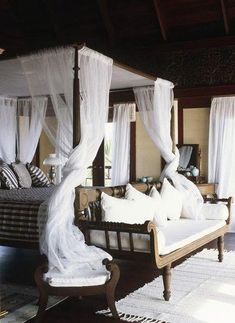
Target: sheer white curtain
x: 154, y: 104
x: 121, y: 143
x: 8, y: 129
x: 31, y: 113
x: 51, y: 72
x: 61, y: 240
x: 221, y: 164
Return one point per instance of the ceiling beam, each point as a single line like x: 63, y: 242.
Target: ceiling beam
x: 225, y: 16
x: 160, y: 18
x: 103, y: 7
x: 217, y: 42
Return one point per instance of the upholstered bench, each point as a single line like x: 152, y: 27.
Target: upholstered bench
x: 164, y: 244
x: 84, y: 283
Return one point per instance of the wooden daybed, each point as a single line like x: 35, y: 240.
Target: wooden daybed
x: 89, y: 219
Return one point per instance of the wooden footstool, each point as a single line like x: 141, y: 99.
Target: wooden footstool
x: 107, y: 288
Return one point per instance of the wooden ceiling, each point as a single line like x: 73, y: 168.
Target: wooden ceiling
x: 140, y: 27
x: 27, y: 25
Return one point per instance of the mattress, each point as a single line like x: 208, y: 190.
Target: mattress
x: 175, y: 235
x: 19, y: 213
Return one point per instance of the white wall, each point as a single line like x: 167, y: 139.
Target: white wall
x: 148, y: 161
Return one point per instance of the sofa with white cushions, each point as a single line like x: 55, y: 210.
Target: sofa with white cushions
x: 141, y: 221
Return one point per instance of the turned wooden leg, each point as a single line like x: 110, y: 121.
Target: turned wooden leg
x: 43, y: 295
x: 43, y: 299
x: 167, y: 282
x: 111, y: 286
x: 220, y: 244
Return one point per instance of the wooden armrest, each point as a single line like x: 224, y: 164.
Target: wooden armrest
x: 114, y: 226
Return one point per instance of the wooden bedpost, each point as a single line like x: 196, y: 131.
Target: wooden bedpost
x: 76, y: 101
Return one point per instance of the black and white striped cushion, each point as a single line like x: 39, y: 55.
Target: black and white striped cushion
x: 7, y: 177
x: 39, y: 178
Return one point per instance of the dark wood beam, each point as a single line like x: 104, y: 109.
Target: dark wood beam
x: 133, y: 152
x: 195, y: 102
x: 180, y: 124
x: 121, y: 96
x: 103, y: 6
x: 206, y: 91
x: 217, y: 42
x: 225, y: 16
x: 160, y: 18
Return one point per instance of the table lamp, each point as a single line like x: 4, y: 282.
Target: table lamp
x: 52, y: 161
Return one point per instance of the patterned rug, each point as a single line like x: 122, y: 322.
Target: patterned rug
x: 21, y: 302
x: 203, y: 291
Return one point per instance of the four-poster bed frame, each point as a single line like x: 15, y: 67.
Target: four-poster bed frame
x: 24, y: 233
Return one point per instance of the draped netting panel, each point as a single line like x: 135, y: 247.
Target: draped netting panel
x: 121, y: 143
x: 61, y: 240
x: 8, y: 129
x: 221, y: 168
x: 155, y: 105
x: 31, y: 113
x: 51, y: 72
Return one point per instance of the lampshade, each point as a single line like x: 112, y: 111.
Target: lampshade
x: 52, y: 160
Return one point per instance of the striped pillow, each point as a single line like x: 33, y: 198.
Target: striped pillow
x: 39, y: 179
x: 7, y: 176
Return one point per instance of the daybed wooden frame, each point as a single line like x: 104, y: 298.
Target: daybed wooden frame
x: 92, y: 221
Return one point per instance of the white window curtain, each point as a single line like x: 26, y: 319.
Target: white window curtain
x: 61, y: 240
x: 121, y: 143
x: 221, y: 164
x: 154, y: 104
x: 51, y: 72
x: 8, y: 129
x: 31, y: 114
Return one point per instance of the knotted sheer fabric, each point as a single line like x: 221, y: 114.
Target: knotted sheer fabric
x: 60, y: 239
x: 155, y: 105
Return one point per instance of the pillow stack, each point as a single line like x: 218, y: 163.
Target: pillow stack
x: 18, y: 175
x: 137, y: 207
x: 7, y: 176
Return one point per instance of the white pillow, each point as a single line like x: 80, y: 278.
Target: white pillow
x: 153, y: 201
x: 214, y: 211
x: 127, y: 211
x: 172, y: 200
x: 160, y: 217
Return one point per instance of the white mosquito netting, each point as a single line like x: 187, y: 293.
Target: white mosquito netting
x: 155, y: 105
x: 60, y: 239
x: 8, y: 129
x: 221, y: 168
x: 31, y: 115
x: 121, y: 143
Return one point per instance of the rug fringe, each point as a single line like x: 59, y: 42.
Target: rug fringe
x: 130, y: 317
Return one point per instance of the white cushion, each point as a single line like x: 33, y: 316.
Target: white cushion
x: 180, y: 233
x: 172, y: 200
x: 152, y: 202
x: 80, y: 279
x: 176, y: 235
x: 126, y: 211
x: 160, y: 217
x: 214, y: 211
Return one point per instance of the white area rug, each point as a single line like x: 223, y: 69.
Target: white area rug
x: 21, y: 302
x: 203, y: 291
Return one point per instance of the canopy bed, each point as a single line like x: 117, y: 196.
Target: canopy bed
x: 21, y: 91
x: 60, y: 240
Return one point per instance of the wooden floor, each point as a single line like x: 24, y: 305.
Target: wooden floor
x: 18, y: 265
